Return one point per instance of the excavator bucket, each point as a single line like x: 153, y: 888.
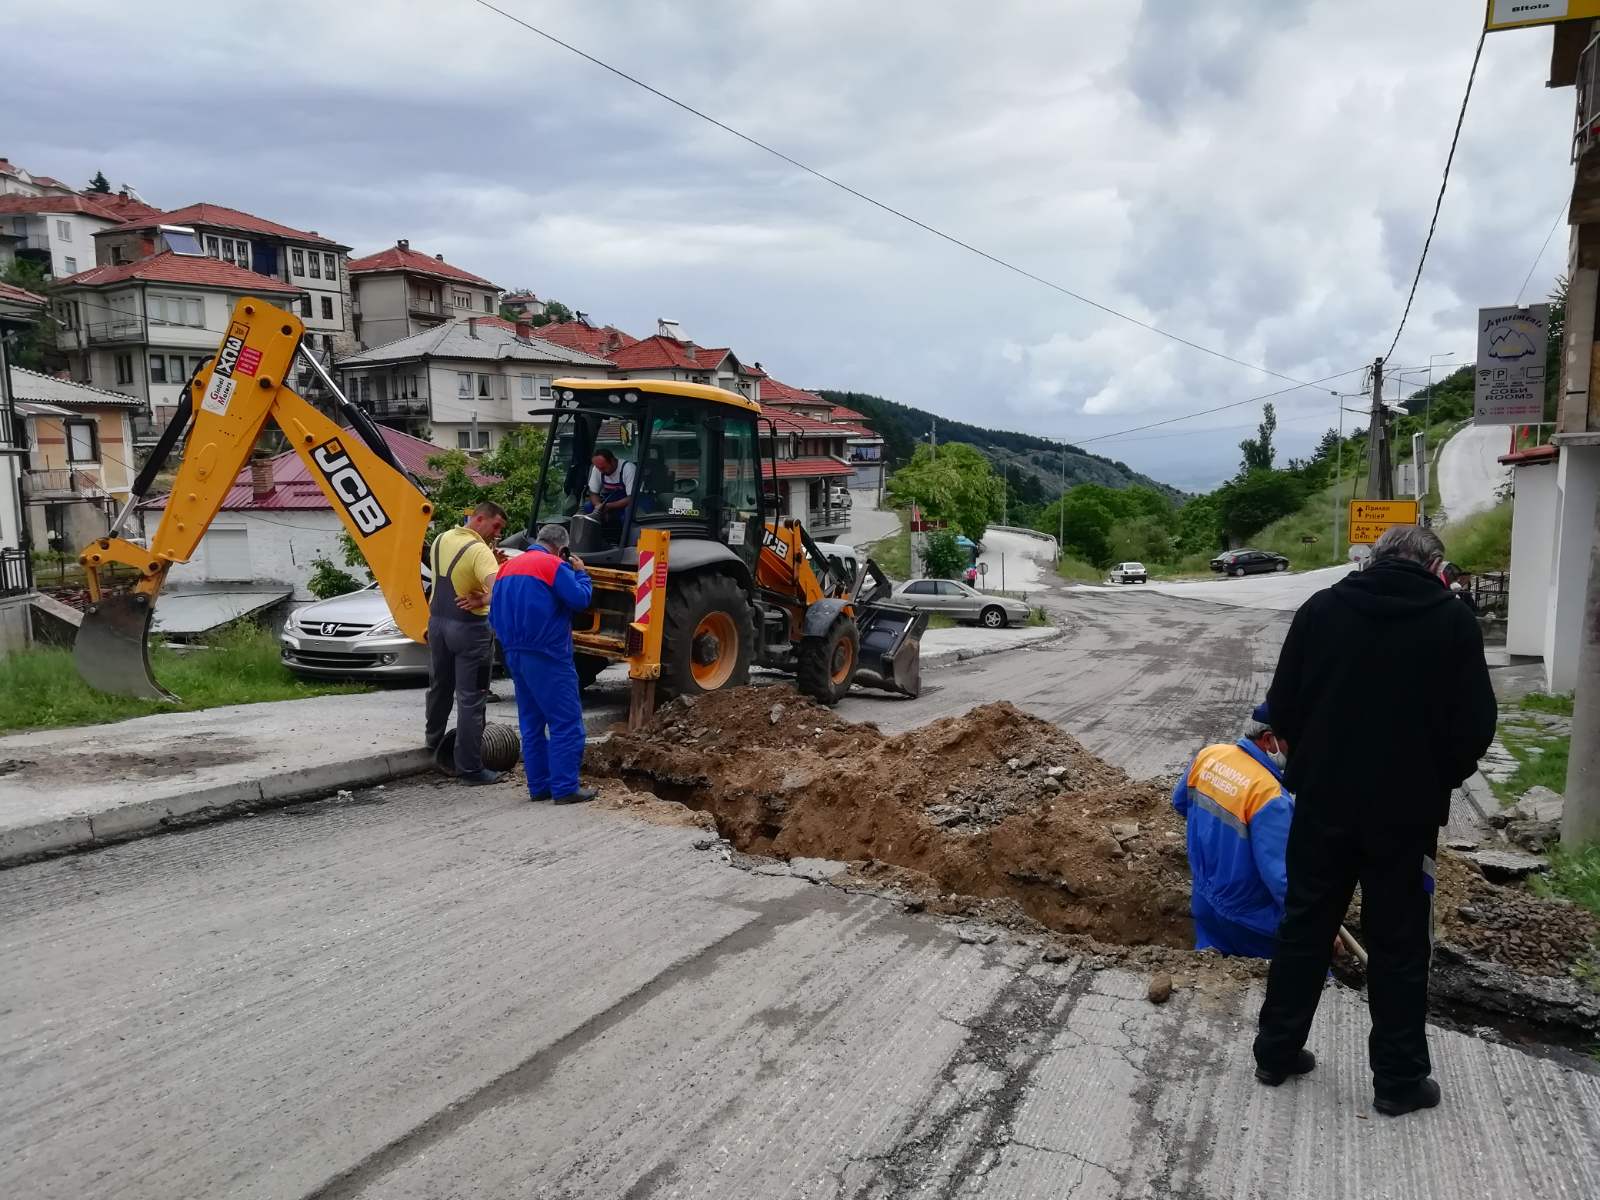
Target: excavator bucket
x: 890, y: 635
x: 112, y: 651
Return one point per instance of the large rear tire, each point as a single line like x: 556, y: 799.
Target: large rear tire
x: 826, y: 665
x: 589, y: 667
x: 709, y: 638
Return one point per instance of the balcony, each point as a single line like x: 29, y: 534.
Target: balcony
x: 73, y: 482
x: 8, y: 430
x: 16, y: 572
x: 426, y: 306
x: 1587, y: 124
x: 123, y: 329
x: 397, y: 406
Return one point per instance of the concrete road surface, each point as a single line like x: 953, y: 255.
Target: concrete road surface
x: 1016, y: 562
x: 1283, y: 591
x: 1469, y: 473
x: 429, y: 991
x: 867, y: 523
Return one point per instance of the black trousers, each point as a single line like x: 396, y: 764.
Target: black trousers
x: 1395, y: 867
x: 460, y: 659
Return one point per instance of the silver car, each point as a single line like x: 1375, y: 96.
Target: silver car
x: 962, y: 602
x: 351, y: 636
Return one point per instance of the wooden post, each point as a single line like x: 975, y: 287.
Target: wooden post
x: 641, y: 703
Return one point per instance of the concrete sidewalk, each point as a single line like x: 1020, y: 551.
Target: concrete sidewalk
x: 63, y: 789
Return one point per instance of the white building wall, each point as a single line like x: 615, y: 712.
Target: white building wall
x: 1577, y: 484
x: 282, y: 546
x: 78, y: 244
x: 1533, y: 524
x: 384, y: 317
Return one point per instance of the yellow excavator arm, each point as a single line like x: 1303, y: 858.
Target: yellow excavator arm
x: 224, y: 409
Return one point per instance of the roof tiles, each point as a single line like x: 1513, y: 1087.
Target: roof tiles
x: 217, y: 216
x: 168, y: 267
x: 398, y: 258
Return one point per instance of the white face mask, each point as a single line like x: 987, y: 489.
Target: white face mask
x: 1279, y: 758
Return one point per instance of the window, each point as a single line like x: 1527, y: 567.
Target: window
x: 461, y: 299
x: 241, y: 253
x: 545, y: 390
x: 118, y: 257
x: 411, y: 387
x: 175, y: 370
x: 175, y: 310
x: 297, y: 262
x: 383, y: 388
x: 483, y: 387
x: 463, y: 384
x: 327, y: 308
x: 124, y: 364
x: 488, y: 304
x: 330, y: 267
x: 946, y: 588
x: 64, y: 230
x: 315, y: 265
x: 464, y: 439
x: 83, y: 446
x: 227, y: 249
x: 71, y: 265
x: 305, y: 306
x: 527, y: 387
x: 213, y: 247
x: 158, y: 368
x: 923, y: 587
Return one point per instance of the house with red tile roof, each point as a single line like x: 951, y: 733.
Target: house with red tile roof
x: 275, y: 521
x: 311, y: 264
x: 20, y: 310
x: 54, y: 231
x: 863, y: 446
x: 665, y: 355
x: 523, y: 303
x: 17, y: 181
x: 142, y: 328
x: 601, y: 341
x: 400, y: 291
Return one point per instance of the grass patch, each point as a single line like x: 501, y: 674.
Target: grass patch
x: 1541, y: 761
x: 1076, y: 570
x: 893, y: 553
x: 1038, y: 619
x: 1544, y: 702
x: 1481, y: 542
x: 1574, y: 875
x: 40, y: 688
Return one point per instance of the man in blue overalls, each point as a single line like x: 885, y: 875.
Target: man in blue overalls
x: 611, y: 484
x: 535, y: 595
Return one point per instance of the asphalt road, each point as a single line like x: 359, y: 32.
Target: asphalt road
x: 1470, y: 474
x: 430, y: 991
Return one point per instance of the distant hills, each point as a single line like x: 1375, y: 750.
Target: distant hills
x: 903, y: 426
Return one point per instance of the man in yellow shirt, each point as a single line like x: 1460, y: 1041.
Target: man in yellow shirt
x: 459, y: 638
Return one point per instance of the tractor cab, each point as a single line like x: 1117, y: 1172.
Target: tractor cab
x: 624, y: 456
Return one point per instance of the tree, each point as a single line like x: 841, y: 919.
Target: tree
x: 1141, y: 539
x: 1554, y: 332
x: 942, y: 555
x: 555, y: 313
x: 35, y: 346
x: 953, y: 484
x: 1255, y: 501
x: 1200, y: 525
x: 1086, y: 528
x: 1258, y: 451
x: 100, y: 183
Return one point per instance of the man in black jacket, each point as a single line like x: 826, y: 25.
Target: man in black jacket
x: 1383, y: 695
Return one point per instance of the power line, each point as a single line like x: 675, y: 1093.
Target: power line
x: 879, y: 204
x: 1534, y: 265
x: 1439, y: 202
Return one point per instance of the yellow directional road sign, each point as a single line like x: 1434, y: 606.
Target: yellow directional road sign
x: 1369, y: 518
x: 1518, y: 14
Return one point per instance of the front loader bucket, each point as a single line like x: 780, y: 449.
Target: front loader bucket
x: 891, y: 648
x: 112, y: 650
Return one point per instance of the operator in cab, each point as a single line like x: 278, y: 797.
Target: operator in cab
x: 460, y: 644
x: 611, y: 491
x: 1238, y: 816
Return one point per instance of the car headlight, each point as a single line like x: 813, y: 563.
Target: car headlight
x: 384, y: 628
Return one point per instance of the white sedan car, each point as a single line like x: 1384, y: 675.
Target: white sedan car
x: 962, y: 602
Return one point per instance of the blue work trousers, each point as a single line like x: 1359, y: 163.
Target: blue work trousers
x: 547, y: 699
x: 1213, y: 931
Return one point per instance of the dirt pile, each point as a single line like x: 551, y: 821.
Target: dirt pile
x: 993, y: 805
x: 995, y: 815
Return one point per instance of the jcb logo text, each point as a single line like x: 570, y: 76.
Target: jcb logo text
x: 347, y: 484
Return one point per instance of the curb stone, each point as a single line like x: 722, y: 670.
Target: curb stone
x: 950, y: 657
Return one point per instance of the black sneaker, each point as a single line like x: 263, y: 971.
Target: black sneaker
x: 481, y: 776
x: 580, y: 796
x: 1304, y: 1063
x: 1422, y: 1094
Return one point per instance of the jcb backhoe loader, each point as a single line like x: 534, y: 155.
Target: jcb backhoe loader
x: 692, y: 581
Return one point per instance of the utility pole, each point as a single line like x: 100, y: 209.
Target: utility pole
x: 1061, y: 509
x: 1380, y: 470
x: 933, y: 437
x: 1338, y: 478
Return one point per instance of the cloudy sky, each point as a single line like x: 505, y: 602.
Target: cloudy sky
x: 1255, y: 175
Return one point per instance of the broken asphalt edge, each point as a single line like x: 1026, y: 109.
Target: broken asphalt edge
x: 56, y: 836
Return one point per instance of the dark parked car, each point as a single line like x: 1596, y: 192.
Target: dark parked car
x: 1249, y: 562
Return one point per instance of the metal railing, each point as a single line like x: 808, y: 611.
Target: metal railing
x: 8, y: 430
x: 828, y: 518
x: 397, y: 406
x: 425, y: 304
x: 16, y: 572
x: 1587, y: 122
x: 77, y: 481
x: 125, y: 329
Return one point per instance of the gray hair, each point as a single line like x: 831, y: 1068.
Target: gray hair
x: 1410, y: 542
x: 554, y: 536
x: 1254, y: 729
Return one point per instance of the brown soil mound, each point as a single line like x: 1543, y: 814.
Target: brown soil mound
x: 996, y: 804
x: 995, y: 814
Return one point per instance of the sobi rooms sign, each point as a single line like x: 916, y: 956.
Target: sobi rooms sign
x: 1509, y: 382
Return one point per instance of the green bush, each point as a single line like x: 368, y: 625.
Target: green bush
x: 328, y: 580
x: 1481, y: 542
x: 1078, y: 571
x: 942, y: 555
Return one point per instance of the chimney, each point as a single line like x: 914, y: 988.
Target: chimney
x: 689, y: 348
x: 472, y: 326
x: 314, y: 233
x: 438, y: 258
x: 524, y: 330
x: 404, y: 243
x: 122, y: 193
x: 261, y: 481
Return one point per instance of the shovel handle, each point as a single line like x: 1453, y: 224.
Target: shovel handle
x: 1352, y: 945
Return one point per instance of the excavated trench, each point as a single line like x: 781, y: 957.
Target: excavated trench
x: 999, y: 813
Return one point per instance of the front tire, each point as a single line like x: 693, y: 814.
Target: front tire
x: 1238, y: 572
x: 992, y: 618
x: 709, y: 637
x: 826, y: 665
x: 1281, y: 567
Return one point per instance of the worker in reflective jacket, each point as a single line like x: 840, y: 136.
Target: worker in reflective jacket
x: 535, y: 595
x: 1238, y: 815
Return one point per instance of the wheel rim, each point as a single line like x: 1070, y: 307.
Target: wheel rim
x: 843, y: 667
x: 714, y: 651
x: 992, y: 619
